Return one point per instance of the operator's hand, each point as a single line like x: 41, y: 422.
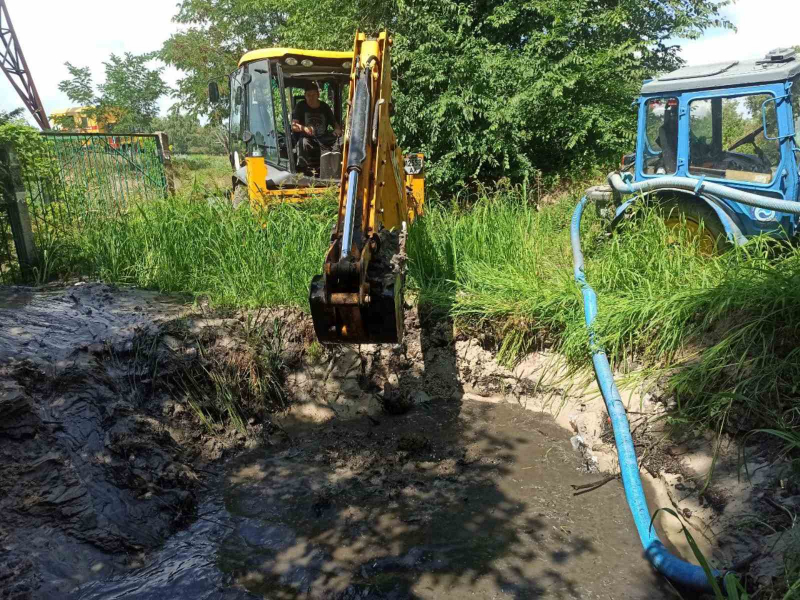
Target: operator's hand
x: 338, y: 131
x: 308, y: 130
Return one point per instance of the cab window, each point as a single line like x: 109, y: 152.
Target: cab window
x: 261, y: 111
x: 726, y: 139
x: 661, y: 128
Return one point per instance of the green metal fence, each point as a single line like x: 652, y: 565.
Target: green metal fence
x: 77, y: 178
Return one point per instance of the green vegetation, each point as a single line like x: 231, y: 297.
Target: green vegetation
x: 723, y: 328
x: 240, y: 385
x: 186, y: 135
x: 202, y: 172
x: 190, y: 245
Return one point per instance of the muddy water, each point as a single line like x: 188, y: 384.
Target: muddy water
x: 466, y: 500
x: 106, y: 494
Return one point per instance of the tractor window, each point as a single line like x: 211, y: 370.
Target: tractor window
x: 661, y: 128
x: 726, y: 139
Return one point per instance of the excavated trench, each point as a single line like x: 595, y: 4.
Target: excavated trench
x: 417, y: 471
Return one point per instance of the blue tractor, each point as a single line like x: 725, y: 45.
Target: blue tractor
x: 717, y: 152
x: 707, y: 133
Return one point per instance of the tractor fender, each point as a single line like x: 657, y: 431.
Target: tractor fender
x: 239, y: 176
x: 730, y: 221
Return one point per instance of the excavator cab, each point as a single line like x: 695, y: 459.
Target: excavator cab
x: 267, y: 158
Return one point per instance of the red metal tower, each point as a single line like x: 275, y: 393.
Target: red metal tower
x: 12, y: 61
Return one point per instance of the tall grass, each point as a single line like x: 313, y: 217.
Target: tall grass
x: 205, y: 247
x: 724, y: 328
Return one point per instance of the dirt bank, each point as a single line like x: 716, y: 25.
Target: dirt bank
x: 150, y: 451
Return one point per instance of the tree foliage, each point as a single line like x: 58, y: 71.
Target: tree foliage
x: 78, y: 87
x: 128, y: 97
x: 486, y: 88
x: 186, y: 135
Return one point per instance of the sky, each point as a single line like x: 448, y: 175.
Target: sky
x: 86, y: 32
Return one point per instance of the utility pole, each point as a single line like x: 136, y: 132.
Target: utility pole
x: 12, y: 61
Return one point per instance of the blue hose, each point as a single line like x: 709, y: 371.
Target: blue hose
x: 675, y: 569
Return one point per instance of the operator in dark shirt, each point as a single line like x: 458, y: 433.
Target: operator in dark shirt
x: 311, y: 119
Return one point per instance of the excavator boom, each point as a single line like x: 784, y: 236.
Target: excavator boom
x: 358, y: 298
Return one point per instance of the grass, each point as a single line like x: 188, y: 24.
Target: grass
x: 724, y: 329
x: 234, y: 387
x: 203, y: 247
x: 201, y: 170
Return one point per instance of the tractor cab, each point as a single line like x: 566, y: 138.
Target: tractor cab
x: 270, y: 161
x: 736, y: 123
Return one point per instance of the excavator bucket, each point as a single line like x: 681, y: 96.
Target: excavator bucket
x: 380, y: 321
x: 375, y: 314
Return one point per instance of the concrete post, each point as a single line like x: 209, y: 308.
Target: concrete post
x: 14, y: 201
x: 162, y: 139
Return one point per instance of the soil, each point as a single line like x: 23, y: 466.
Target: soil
x: 423, y: 470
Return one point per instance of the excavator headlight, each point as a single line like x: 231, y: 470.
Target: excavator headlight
x: 291, y: 61
x: 348, y: 64
x: 307, y: 63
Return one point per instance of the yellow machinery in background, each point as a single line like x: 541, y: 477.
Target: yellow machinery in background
x: 358, y: 298
x: 81, y: 120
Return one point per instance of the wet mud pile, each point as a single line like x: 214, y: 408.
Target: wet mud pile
x: 99, y: 455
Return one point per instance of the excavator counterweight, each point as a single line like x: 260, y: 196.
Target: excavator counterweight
x: 358, y: 298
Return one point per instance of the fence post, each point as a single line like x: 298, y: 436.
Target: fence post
x: 162, y: 140
x: 13, y: 196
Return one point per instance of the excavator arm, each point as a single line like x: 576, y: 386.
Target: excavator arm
x: 358, y: 299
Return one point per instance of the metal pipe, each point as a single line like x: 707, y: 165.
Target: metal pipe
x: 699, y: 185
x: 349, y: 213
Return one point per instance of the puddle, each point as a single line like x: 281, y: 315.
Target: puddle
x: 14, y: 298
x: 464, y: 500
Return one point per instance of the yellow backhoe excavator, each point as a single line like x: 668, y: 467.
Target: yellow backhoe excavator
x: 358, y: 298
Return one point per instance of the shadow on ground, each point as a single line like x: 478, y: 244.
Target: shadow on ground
x: 452, y: 498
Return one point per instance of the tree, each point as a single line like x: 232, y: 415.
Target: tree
x: 182, y: 129
x: 133, y: 90
x: 487, y: 88
x: 129, y: 97
x: 16, y: 115
x: 78, y: 88
x: 218, y: 32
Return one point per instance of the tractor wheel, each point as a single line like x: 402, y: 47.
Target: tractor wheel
x: 700, y: 221
x: 240, y: 196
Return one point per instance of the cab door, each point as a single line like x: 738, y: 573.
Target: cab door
x: 237, y: 123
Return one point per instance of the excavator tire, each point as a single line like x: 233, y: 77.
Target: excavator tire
x: 240, y: 196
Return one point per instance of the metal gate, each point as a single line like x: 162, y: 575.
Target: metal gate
x: 75, y: 178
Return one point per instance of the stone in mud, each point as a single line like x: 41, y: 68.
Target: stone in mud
x: 420, y: 398
x: 394, y: 401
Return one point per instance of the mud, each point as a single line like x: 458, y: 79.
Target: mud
x: 424, y: 470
